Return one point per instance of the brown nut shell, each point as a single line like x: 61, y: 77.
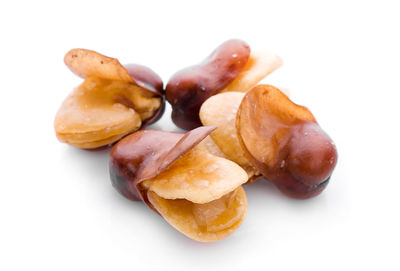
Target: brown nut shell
x: 284, y: 142
x: 145, y: 78
x: 190, y: 87
x: 198, y: 193
x: 144, y: 154
x: 110, y: 103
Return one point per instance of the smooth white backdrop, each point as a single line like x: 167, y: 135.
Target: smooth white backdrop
x: 58, y: 209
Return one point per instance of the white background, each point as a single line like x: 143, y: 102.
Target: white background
x: 58, y: 209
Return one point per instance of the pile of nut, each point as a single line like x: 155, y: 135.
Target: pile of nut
x: 238, y: 132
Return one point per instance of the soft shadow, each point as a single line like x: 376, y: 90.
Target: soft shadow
x: 265, y: 192
x: 94, y: 168
x: 155, y: 126
x: 94, y: 162
x: 262, y: 187
x: 161, y: 126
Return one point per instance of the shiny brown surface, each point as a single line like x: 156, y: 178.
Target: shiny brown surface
x: 144, y: 154
x: 285, y: 143
x: 145, y: 78
x: 198, y: 193
x: 190, y: 87
x: 149, y: 80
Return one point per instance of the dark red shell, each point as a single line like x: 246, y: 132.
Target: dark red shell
x: 285, y: 143
x: 145, y: 154
x: 189, y: 88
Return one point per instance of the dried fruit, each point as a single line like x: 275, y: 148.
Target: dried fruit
x: 278, y: 138
x: 112, y: 102
x: 196, y: 192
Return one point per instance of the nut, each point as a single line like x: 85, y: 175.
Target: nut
x: 274, y: 136
x: 231, y: 67
x: 190, y: 87
x: 112, y: 102
x: 285, y: 143
x: 198, y: 193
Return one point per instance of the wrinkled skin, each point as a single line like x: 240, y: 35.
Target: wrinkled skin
x: 190, y: 87
x: 285, y: 143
